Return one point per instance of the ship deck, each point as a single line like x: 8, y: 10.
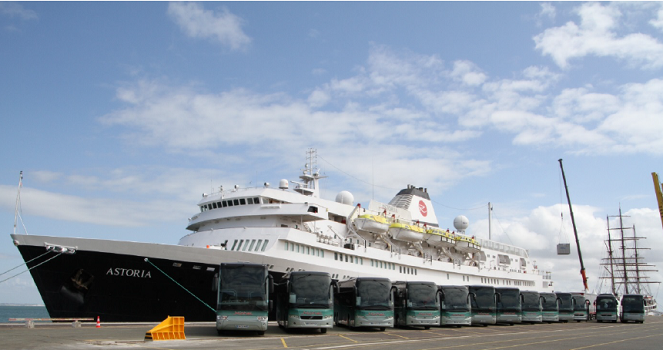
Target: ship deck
x: 590, y: 335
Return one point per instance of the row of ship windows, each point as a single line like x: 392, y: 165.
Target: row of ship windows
x: 496, y: 281
x: 249, y: 245
x: 232, y: 203
x: 375, y: 263
x: 304, y: 249
x: 300, y: 248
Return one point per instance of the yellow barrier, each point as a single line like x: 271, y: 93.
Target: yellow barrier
x: 171, y: 328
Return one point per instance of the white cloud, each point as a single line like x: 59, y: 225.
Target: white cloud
x: 597, y: 35
x: 468, y: 73
x: 197, y: 22
x: 658, y: 21
x: 547, y: 10
x: 540, y: 230
x: 14, y: 9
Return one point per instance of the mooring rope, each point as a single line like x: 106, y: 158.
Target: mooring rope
x: 41, y: 263
x: 172, y: 279
x: 25, y: 263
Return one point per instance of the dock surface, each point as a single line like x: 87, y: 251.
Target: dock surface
x: 555, y: 336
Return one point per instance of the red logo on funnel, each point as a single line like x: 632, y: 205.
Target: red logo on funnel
x: 422, y: 208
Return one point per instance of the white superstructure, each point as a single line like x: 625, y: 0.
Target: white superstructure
x: 291, y: 228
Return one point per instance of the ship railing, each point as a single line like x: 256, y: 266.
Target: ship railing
x: 505, y: 248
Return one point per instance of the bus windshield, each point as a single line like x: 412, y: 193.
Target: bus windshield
x: 485, y: 299
x: 373, y: 295
x: 565, y: 301
x: 633, y: 304
x: 243, y: 288
x: 580, y: 303
x: 422, y: 296
x: 310, y: 291
x: 606, y: 304
x: 531, y: 302
x: 510, y: 299
x: 456, y: 299
x: 549, y: 302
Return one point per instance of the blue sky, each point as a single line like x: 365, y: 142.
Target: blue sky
x: 121, y: 114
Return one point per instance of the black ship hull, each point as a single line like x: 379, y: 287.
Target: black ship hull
x: 124, y: 287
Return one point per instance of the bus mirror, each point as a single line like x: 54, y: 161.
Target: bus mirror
x: 270, y: 284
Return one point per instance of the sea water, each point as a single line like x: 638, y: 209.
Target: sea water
x: 21, y: 311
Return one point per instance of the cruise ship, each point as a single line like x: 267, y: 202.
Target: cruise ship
x: 287, y: 227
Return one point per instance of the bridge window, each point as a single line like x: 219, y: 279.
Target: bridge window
x: 264, y: 245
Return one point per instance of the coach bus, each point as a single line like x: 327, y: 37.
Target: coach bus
x: 483, y: 300
x: 632, y: 308
x: 532, y: 309
x: 550, y: 305
x: 455, y: 306
x: 509, y: 305
x: 566, y: 307
x: 305, y: 300
x: 243, y: 297
x: 416, y: 304
x: 364, y: 302
x: 607, y: 307
x: 580, y: 307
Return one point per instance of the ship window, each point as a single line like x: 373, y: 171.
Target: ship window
x: 362, y: 261
x: 230, y: 203
x: 312, y: 209
x: 346, y: 258
x: 249, y: 201
x: 264, y: 245
x: 447, y: 276
x: 253, y: 241
x: 256, y: 200
x: 258, y: 245
x: 400, y: 269
x: 523, y: 262
x: 322, y: 255
x: 286, y: 245
x: 234, y: 244
x: 213, y: 205
x: 235, y: 201
x: 224, y: 204
x: 246, y: 244
x: 239, y: 246
x: 308, y: 250
x: 335, y: 256
x: 242, y: 201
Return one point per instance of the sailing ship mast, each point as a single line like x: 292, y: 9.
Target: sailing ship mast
x: 627, y: 270
x: 575, y: 232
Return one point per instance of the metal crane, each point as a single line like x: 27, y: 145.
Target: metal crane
x: 659, y: 196
x: 575, y: 232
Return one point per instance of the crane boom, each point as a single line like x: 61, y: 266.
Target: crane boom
x: 575, y: 232
x: 659, y: 196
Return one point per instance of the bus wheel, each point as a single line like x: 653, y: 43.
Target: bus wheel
x: 219, y: 332
x: 382, y: 329
x: 261, y: 332
x: 427, y: 327
x: 323, y: 330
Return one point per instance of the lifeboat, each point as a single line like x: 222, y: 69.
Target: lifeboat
x: 367, y: 225
x: 406, y: 232
x: 467, y: 244
x: 439, y: 238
